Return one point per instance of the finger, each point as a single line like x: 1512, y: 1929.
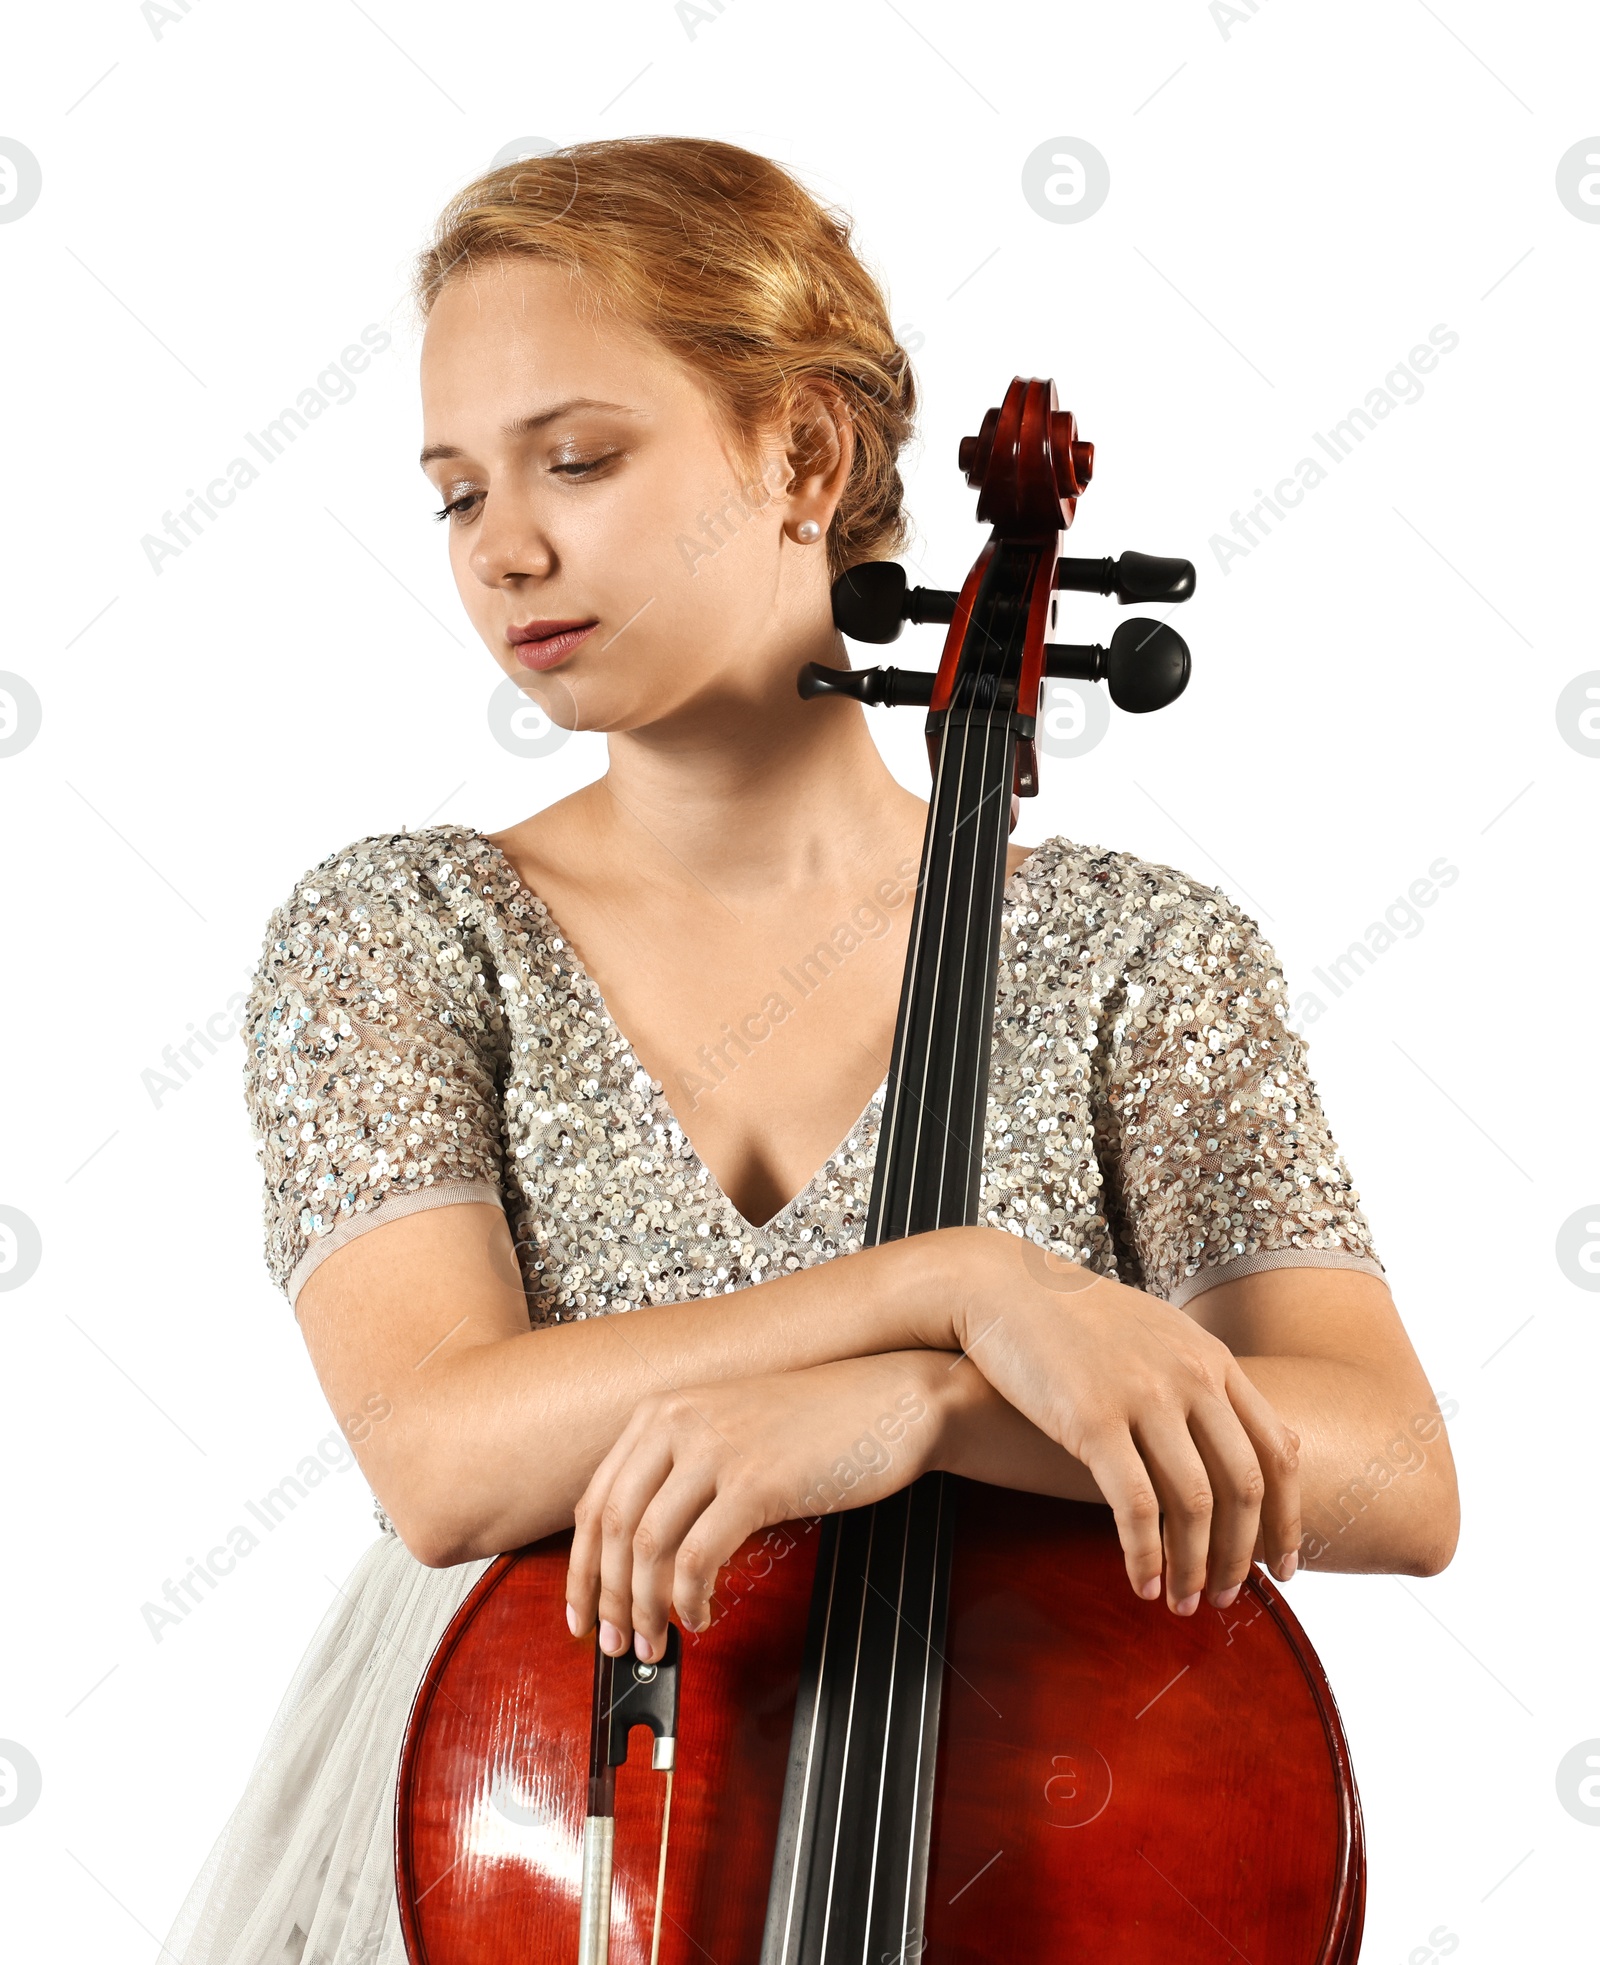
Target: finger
x: 675, y: 1508
x: 1179, y: 1477
x: 728, y: 1519
x: 1277, y: 1451
x: 583, y: 1559
x: 1124, y: 1480
x: 637, y: 1482
x: 1237, y: 1489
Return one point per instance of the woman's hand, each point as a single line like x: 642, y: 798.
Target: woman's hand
x: 696, y: 1471
x: 1193, y: 1460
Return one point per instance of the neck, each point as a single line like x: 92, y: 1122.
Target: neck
x: 773, y: 792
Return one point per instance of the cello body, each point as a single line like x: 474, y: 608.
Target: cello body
x: 1113, y: 1783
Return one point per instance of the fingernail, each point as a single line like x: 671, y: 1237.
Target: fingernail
x: 572, y: 1620
x: 1288, y: 1566
x: 610, y: 1638
x: 1227, y: 1596
x: 1187, y: 1607
x: 1151, y: 1590
x: 641, y: 1646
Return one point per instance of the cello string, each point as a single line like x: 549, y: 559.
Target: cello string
x: 991, y: 663
x: 973, y: 1142
x: 811, y: 1748
x: 929, y: 1022
x: 885, y: 1146
x: 950, y: 857
x: 844, y: 1758
x: 977, y: 735
x: 883, y: 1760
x: 922, y: 1717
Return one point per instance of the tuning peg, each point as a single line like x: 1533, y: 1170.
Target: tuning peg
x: 1145, y: 668
x: 893, y: 688
x: 1131, y: 576
x: 872, y: 602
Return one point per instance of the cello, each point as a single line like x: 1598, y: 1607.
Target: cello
x: 941, y: 1724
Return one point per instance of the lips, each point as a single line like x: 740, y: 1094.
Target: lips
x: 542, y: 644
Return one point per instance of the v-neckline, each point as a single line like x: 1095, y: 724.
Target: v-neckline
x: 661, y: 1107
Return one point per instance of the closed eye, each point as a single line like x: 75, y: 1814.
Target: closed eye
x: 576, y: 469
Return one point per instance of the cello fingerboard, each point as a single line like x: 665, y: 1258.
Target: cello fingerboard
x: 849, y: 1877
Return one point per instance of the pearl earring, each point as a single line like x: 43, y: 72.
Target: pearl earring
x: 808, y: 532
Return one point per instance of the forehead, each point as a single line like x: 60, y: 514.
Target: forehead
x: 523, y: 327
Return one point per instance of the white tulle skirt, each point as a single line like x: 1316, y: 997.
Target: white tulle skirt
x: 303, y: 1872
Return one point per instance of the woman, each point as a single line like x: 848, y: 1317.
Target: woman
x: 537, y: 1109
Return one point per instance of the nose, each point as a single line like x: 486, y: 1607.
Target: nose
x: 508, y: 543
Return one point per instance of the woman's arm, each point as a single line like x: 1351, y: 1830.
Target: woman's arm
x: 1377, y: 1480
x: 477, y: 1434
x: 693, y: 1475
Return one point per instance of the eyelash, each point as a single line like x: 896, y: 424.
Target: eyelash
x: 578, y: 469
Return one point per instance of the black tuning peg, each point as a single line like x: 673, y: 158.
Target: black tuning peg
x: 1130, y: 576
x: 894, y: 688
x: 1145, y: 668
x: 872, y: 602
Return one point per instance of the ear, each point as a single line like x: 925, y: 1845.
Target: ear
x: 821, y: 449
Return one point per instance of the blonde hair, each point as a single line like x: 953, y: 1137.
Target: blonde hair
x: 741, y: 273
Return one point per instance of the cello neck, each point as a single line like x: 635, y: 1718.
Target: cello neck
x: 930, y: 1146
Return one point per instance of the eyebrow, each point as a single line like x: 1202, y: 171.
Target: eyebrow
x: 524, y: 426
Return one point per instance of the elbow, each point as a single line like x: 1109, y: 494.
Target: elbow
x: 1439, y: 1549
x: 432, y: 1550
x: 436, y: 1537
x: 1437, y: 1528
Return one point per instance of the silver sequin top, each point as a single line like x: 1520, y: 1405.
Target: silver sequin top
x: 421, y: 1032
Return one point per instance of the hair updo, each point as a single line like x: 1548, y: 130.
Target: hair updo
x: 737, y: 269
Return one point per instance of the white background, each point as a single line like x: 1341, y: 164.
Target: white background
x: 1297, y: 197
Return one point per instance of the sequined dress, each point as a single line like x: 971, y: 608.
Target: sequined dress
x: 421, y: 1033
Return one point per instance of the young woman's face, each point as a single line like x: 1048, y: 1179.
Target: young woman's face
x: 588, y: 483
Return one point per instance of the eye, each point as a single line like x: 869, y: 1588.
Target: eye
x: 458, y: 507
x: 583, y: 467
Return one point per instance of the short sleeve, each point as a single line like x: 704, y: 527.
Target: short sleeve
x: 374, y: 1048
x: 1218, y: 1155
